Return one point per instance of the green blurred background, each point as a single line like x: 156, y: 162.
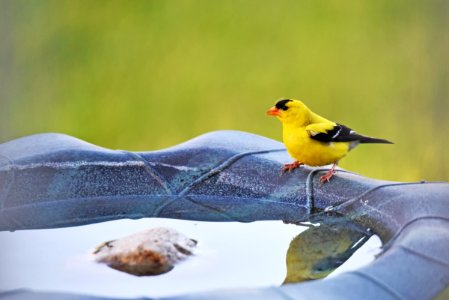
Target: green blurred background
x: 144, y: 75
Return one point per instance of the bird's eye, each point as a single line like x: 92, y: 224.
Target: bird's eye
x: 284, y: 107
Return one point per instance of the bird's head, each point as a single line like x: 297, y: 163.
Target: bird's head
x: 290, y: 111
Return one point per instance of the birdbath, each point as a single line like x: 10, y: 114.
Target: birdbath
x: 55, y: 180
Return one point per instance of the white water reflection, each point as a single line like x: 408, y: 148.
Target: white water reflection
x: 229, y: 255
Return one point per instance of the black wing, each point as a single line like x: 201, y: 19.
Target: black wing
x: 341, y: 133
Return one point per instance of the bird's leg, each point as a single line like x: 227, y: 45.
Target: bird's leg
x: 326, y: 177
x: 289, y: 167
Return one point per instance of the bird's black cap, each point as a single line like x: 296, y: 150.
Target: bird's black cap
x: 281, y: 104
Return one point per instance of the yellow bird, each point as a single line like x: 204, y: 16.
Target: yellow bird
x: 313, y: 140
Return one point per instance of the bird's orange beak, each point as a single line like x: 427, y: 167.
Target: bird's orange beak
x: 273, y: 111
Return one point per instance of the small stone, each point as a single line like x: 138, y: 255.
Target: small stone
x: 151, y: 252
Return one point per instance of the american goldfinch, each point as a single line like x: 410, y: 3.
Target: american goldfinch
x: 313, y: 140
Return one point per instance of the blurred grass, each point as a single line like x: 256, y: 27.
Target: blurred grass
x: 143, y: 75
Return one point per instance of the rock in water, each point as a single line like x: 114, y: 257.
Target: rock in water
x: 151, y: 252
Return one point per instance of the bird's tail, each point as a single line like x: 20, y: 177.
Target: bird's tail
x: 370, y: 140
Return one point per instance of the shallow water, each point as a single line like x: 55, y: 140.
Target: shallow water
x: 229, y: 255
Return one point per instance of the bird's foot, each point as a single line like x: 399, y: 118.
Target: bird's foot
x: 292, y: 166
x: 327, y: 177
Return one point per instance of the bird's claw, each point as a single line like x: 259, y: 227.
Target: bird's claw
x: 292, y: 166
x: 326, y: 177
